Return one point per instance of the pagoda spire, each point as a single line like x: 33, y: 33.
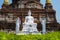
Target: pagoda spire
x: 6, y: 2
x: 48, y: 1
x: 48, y: 4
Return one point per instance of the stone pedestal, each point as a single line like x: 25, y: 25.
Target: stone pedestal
x: 29, y: 27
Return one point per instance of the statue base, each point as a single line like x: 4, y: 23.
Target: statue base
x: 29, y: 27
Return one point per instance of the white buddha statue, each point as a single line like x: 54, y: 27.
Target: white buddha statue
x: 18, y: 22
x: 29, y: 25
x: 29, y: 18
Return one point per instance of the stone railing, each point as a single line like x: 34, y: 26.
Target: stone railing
x: 2, y: 19
x: 7, y: 19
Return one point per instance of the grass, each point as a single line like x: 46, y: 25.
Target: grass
x: 48, y: 36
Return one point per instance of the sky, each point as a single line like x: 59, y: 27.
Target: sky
x: 55, y: 3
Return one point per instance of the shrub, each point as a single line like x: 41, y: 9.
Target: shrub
x: 48, y: 36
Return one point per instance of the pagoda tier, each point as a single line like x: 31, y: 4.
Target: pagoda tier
x: 15, y: 1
